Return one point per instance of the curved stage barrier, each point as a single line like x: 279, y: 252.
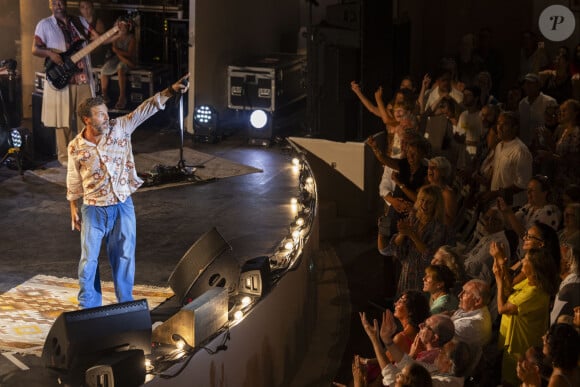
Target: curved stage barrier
x: 266, y: 335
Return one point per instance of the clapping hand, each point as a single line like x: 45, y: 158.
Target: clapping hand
x: 388, y: 326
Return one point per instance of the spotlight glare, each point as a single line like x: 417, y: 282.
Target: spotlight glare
x: 293, y: 201
x: 289, y: 245
x: 245, y: 301
x: 296, y: 234
x: 309, y: 180
x: 258, y: 119
x: 295, y: 161
x: 300, y: 222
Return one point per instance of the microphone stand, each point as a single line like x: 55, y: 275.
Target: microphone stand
x: 161, y: 174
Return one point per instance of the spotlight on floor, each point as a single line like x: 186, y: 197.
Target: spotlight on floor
x: 260, y: 131
x: 206, y: 124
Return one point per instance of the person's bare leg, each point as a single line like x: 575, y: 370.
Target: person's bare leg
x: 105, y: 87
x: 122, y: 102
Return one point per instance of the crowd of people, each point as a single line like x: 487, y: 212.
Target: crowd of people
x: 482, y: 214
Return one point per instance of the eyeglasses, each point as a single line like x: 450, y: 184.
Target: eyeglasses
x: 528, y: 236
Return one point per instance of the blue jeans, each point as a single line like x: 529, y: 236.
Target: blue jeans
x: 116, y: 224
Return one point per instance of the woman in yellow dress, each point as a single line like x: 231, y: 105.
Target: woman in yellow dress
x: 524, y: 308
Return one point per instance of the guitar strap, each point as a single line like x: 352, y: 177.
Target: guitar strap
x: 80, y: 28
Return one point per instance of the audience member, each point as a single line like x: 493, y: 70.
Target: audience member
x: 533, y: 107
x: 568, y: 296
x: 557, y: 82
x: 446, y: 255
x: 438, y: 282
x: 442, y: 88
x: 409, y: 175
x: 537, y: 209
x: 543, y: 139
x: 524, y: 308
x: 472, y: 321
x: 512, y: 164
x: 440, y: 173
x: 567, y: 153
x: 418, y: 237
x: 484, y: 82
x: 533, y: 56
x: 561, y: 345
x: 571, y: 222
x: 490, y: 228
x: 469, y: 130
x: 124, y: 47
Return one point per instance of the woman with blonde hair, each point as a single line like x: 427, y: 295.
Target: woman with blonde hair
x: 440, y: 173
x: 418, y: 237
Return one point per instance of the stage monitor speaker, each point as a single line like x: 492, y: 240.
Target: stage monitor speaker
x: 126, y: 368
x: 44, y: 138
x: 255, y: 278
x: 84, y: 336
x: 196, y: 321
x: 205, y: 266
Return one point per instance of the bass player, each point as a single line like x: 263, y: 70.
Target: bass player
x: 53, y: 36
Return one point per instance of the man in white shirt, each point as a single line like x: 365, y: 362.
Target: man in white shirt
x: 532, y: 107
x: 442, y: 89
x: 472, y: 320
x: 512, y: 164
x: 469, y: 129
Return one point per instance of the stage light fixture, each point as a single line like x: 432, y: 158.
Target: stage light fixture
x: 238, y: 315
x: 206, y: 124
x: 17, y: 138
x: 258, y: 119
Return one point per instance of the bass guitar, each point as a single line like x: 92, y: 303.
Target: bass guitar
x: 59, y: 75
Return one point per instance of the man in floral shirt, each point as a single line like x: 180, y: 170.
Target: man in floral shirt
x: 101, y: 171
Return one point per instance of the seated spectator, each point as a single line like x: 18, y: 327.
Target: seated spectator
x: 418, y: 238
x: 472, y: 320
x: 490, y: 228
x: 571, y: 222
x: 446, y: 255
x: 524, y: 308
x: 124, y: 47
x: 484, y: 82
x: 439, y: 173
x: 438, y: 282
x: 435, y: 333
x: 411, y: 310
x: 538, y: 208
x: 568, y: 296
x: 561, y: 346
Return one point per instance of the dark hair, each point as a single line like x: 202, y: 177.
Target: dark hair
x: 475, y: 90
x: 420, y: 144
x: 551, y: 242
x: 84, y: 109
x: 544, y: 182
x: 544, y: 269
x: 563, y: 346
x: 418, y: 376
x: 417, y: 307
x: 512, y: 118
x: 442, y: 273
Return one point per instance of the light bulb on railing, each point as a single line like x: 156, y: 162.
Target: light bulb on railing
x: 294, y: 205
x: 295, y: 165
x: 245, y: 301
x: 289, y: 245
x: 309, y: 180
x: 296, y: 234
x: 300, y: 222
x: 238, y: 315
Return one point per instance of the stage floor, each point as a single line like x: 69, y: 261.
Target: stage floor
x: 251, y: 211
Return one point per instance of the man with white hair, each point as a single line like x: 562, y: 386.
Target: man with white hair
x: 472, y: 320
